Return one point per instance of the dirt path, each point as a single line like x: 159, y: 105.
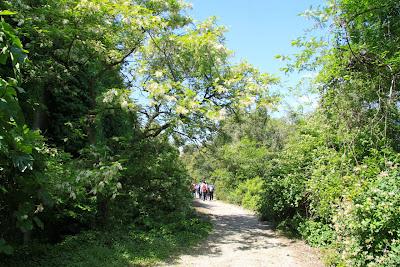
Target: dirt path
x: 239, y: 239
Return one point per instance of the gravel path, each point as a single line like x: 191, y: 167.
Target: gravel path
x: 239, y: 239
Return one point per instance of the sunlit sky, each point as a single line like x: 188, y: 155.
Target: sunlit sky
x: 259, y: 29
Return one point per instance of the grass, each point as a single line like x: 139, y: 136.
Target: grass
x: 125, y: 246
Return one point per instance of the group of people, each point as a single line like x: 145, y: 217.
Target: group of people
x: 202, y: 190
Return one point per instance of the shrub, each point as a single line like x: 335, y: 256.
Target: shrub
x: 367, y: 222
x: 316, y: 233
x: 248, y: 193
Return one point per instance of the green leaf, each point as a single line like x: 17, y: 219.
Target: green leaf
x: 20, y: 90
x: 5, y: 248
x: 3, y: 59
x: 23, y: 162
x: 7, y: 13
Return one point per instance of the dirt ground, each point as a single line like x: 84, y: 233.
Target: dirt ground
x: 239, y: 239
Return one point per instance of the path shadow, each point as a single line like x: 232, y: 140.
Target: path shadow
x: 244, y: 230
x: 201, y: 204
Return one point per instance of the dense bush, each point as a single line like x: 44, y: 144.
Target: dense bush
x: 120, y: 246
x: 285, y: 180
x: 315, y: 233
x: 22, y: 151
x: 366, y: 222
x: 155, y: 182
x: 115, y: 174
x: 248, y: 193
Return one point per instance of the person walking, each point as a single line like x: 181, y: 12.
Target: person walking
x: 211, y: 189
x: 198, y: 187
x: 204, y: 190
x: 193, y: 189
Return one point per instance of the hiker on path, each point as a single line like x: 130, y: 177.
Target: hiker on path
x: 211, y: 189
x: 198, y: 190
x: 204, y: 189
x: 193, y: 189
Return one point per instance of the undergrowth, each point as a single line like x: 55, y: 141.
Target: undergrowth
x: 122, y: 246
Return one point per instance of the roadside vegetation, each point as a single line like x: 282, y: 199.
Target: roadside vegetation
x: 330, y: 176
x: 123, y: 246
x: 97, y: 97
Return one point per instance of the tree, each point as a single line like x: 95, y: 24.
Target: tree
x: 19, y: 146
x: 190, y: 84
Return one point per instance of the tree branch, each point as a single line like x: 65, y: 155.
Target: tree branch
x: 167, y: 58
x: 154, y: 132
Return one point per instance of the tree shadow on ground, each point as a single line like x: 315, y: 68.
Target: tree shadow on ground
x: 243, y: 231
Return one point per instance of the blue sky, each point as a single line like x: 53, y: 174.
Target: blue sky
x: 259, y: 29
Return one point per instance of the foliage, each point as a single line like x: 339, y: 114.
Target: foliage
x: 183, y: 72
x: 332, y: 177
x: 349, y: 176
x: 96, y: 157
x: 367, y: 224
x: 188, y: 78
x: 121, y: 246
x: 235, y: 161
x: 316, y: 233
x: 90, y: 125
x: 21, y: 149
x: 248, y: 193
x: 285, y: 188
x: 155, y: 182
